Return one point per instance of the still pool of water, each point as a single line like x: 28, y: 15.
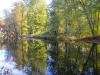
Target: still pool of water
x: 73, y: 59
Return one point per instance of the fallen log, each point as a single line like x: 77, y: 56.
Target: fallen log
x: 95, y: 39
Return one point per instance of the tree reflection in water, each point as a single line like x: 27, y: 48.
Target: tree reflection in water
x: 76, y: 59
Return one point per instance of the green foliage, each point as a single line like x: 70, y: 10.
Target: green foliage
x: 36, y: 25
x: 19, y: 14
x: 37, y: 17
x: 62, y: 18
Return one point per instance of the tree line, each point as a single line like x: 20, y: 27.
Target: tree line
x: 59, y: 19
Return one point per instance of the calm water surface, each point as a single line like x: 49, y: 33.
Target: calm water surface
x: 69, y: 59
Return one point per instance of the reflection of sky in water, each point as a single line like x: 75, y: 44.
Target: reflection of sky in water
x: 49, y: 70
x: 3, y: 54
x: 7, y: 64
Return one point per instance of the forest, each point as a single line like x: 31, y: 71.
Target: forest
x: 66, y: 30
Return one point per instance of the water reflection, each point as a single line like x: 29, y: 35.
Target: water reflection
x: 49, y: 69
x: 7, y: 65
x: 73, y: 59
x: 68, y: 59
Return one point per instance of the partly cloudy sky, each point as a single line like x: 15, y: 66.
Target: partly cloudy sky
x: 8, y: 4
